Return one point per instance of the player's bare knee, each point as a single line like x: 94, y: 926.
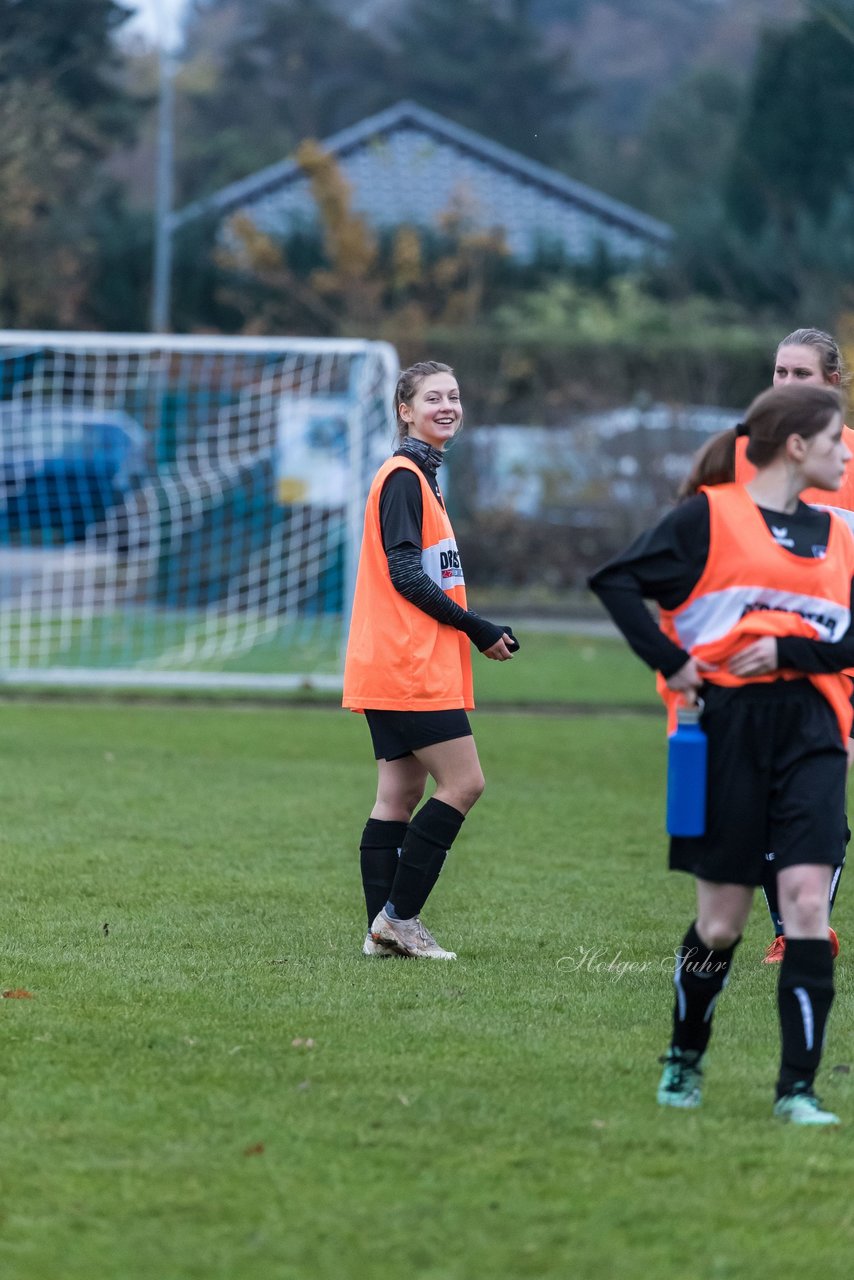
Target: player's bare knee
x: 472, y: 790
x: 717, y: 934
x: 412, y: 798
x: 398, y: 805
x: 464, y: 793
x: 805, y: 912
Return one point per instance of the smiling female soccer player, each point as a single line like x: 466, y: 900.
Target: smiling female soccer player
x: 408, y: 668
x: 755, y: 596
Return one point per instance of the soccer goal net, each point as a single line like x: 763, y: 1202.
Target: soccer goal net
x: 184, y: 510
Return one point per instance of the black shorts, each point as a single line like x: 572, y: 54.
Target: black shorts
x: 396, y: 734
x: 776, y: 780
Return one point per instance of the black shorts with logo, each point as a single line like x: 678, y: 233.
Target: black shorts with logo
x: 776, y: 780
x: 396, y: 734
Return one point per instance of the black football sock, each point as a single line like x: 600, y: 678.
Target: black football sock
x: 769, y: 888
x: 378, y: 850
x: 804, y: 996
x: 700, y: 976
x: 425, y: 846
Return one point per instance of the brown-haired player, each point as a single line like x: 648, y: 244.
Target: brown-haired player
x: 806, y: 357
x: 408, y: 668
x: 755, y: 595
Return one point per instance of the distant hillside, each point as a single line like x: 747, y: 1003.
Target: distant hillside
x: 629, y: 51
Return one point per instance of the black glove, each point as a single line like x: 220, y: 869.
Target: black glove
x: 513, y: 644
x: 484, y: 634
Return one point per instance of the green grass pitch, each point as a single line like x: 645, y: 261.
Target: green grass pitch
x: 210, y: 1080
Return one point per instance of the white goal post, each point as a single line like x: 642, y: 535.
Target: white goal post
x: 184, y: 511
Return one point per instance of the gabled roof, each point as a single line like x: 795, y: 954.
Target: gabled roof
x: 489, y: 163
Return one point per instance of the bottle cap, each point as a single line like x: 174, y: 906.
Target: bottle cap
x: 690, y: 713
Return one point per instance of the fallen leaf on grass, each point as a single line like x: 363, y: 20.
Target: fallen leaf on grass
x: 300, y: 1043
x: 404, y: 1101
x: 597, y: 1124
x: 18, y: 994
x: 257, y: 1149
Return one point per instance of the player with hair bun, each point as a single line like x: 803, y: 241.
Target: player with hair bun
x: 408, y: 668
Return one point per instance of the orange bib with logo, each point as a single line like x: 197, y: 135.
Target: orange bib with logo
x: 398, y: 657
x: 753, y: 587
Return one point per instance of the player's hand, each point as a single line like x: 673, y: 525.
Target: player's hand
x: 500, y: 651
x: 688, y: 679
x: 757, y: 659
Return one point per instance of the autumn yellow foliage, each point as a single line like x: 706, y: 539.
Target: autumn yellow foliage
x: 363, y: 287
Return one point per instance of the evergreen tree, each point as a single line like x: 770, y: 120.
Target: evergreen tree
x: 484, y: 64
x: 795, y: 150
x: 69, y: 45
x: 62, y: 108
x: 685, y: 148
x: 264, y: 76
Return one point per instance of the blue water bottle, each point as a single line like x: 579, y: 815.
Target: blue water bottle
x: 686, y: 774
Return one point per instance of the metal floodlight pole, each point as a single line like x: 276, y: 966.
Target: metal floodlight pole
x: 162, y: 281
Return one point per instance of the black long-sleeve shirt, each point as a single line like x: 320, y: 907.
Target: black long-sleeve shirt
x: 401, y: 512
x: 665, y: 564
